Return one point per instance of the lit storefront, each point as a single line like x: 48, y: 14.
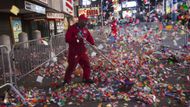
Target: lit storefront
x: 128, y: 8
x: 169, y: 6
x: 56, y: 21
x: 23, y: 16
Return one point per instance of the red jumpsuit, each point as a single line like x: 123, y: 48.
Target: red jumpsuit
x: 114, y: 27
x: 77, y: 51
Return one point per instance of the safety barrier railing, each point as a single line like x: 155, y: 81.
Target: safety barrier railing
x: 29, y: 56
x: 138, y: 28
x: 175, y: 38
x: 102, y: 31
x: 58, y: 44
x: 6, y: 75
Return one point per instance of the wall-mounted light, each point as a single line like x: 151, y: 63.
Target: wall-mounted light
x: 86, y: 2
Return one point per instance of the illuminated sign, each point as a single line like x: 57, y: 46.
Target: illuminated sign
x: 127, y: 4
x: 68, y: 7
x: 93, y: 11
x: 55, y: 16
x: 35, y: 8
x: 117, y: 7
x: 86, y: 2
x: 168, y: 6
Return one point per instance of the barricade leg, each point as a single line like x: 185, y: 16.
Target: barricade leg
x: 7, y: 69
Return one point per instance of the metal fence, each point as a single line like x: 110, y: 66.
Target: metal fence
x: 30, y: 55
x: 175, y: 38
x: 58, y: 44
x: 27, y: 58
x: 6, y: 75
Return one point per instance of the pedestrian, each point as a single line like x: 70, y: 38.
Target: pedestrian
x: 188, y: 24
x: 77, y: 50
x: 114, y: 27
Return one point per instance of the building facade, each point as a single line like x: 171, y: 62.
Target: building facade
x: 47, y: 16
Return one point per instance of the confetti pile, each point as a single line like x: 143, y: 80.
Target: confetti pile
x: 160, y: 73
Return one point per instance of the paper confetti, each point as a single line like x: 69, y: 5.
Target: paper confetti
x: 45, y: 42
x: 157, y: 72
x: 175, y: 43
x: 100, y: 46
x: 15, y: 10
x: 39, y: 79
x: 93, y: 54
x: 169, y: 27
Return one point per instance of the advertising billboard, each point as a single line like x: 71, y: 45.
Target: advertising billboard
x: 168, y: 6
x: 16, y: 27
x: 92, y: 11
x: 128, y: 4
x: 68, y: 7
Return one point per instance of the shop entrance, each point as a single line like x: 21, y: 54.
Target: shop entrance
x: 40, y: 25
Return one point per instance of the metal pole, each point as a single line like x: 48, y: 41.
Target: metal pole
x: 100, y: 53
x: 149, y: 6
x: 102, y: 13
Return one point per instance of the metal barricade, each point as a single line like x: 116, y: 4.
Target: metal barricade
x: 101, y: 32
x: 29, y: 56
x: 6, y: 75
x: 27, y: 59
x: 58, y: 44
x: 175, y: 39
x: 172, y: 39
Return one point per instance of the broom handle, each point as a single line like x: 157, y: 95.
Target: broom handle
x: 95, y: 49
x: 99, y: 52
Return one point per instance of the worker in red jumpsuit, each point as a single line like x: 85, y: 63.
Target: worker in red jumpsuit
x: 114, y: 27
x: 77, y: 50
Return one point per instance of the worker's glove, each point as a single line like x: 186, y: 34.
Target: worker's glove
x: 79, y: 36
